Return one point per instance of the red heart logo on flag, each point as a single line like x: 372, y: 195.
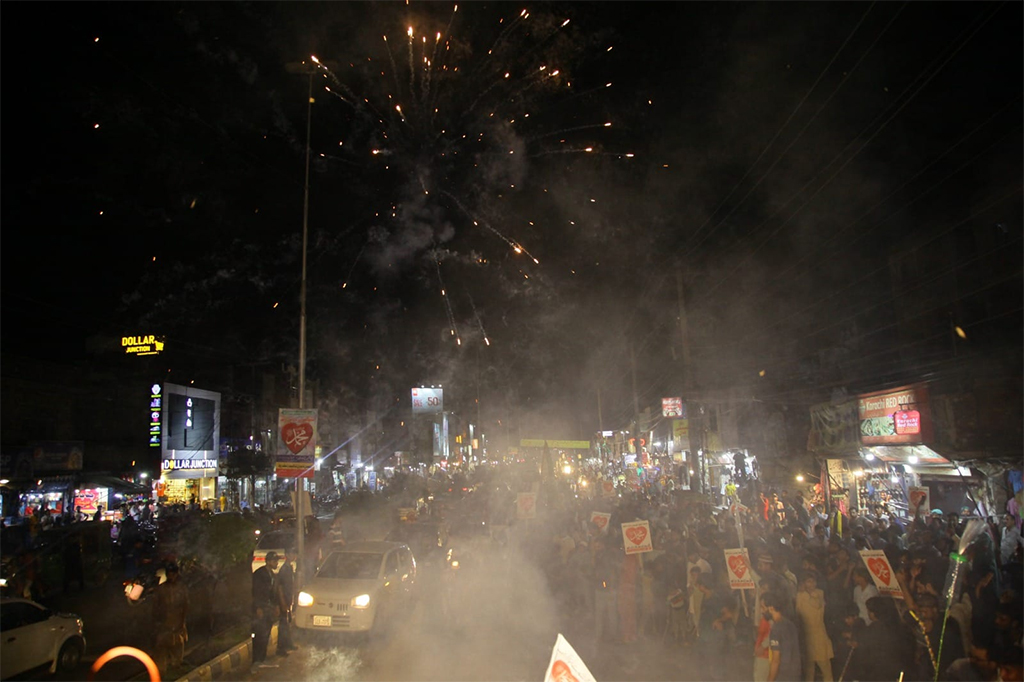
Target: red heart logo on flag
x: 738, y: 565
x: 296, y: 436
x: 880, y: 568
x: 608, y: 487
x: 916, y: 498
x: 560, y: 672
x: 636, y: 534
x: 600, y: 521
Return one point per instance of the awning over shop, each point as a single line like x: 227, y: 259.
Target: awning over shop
x: 921, y: 459
x: 72, y: 482
x: 113, y: 483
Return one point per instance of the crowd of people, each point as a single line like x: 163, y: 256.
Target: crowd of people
x: 814, y: 611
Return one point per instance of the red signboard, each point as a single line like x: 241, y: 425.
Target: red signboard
x: 895, y: 417
x: 908, y: 422
x: 672, y: 407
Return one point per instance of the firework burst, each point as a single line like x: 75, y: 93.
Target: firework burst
x: 445, y: 124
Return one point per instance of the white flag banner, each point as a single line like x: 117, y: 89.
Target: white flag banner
x: 566, y: 665
x: 526, y: 505
x: 636, y: 536
x: 881, y: 573
x: 601, y: 519
x: 737, y: 562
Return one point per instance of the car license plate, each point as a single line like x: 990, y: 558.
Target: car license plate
x: 324, y: 621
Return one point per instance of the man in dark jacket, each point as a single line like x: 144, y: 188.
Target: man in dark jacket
x: 289, y: 591
x: 266, y: 604
x: 784, y: 640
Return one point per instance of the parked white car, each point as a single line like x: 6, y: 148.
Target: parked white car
x: 32, y: 636
x: 361, y: 588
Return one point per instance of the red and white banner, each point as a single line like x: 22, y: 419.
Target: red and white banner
x: 881, y: 573
x: 920, y: 500
x: 296, y: 443
x: 601, y: 519
x: 737, y: 561
x: 636, y: 535
x: 526, y: 505
x: 566, y: 665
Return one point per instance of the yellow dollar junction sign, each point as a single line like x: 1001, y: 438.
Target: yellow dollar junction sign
x: 142, y: 345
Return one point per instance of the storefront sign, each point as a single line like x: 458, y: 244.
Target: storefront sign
x: 55, y: 456
x: 187, y: 464
x: 737, y: 562
x: 895, y: 417
x: 908, y: 422
x: 636, y: 536
x: 881, y: 572
x: 156, y: 406
x: 142, y: 345
x: 89, y: 501
x: 673, y: 407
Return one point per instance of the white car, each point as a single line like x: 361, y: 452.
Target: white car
x: 34, y: 637
x: 279, y: 541
x: 360, y: 588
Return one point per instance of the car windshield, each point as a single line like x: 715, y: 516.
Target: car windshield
x: 277, y: 539
x: 351, y: 566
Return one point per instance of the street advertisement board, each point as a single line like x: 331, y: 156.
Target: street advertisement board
x: 57, y: 456
x: 737, y: 561
x: 427, y: 400
x: 526, y: 505
x: 672, y: 408
x: 881, y: 572
x: 296, y: 443
x: 895, y: 417
x: 681, y: 434
x: 636, y: 536
x: 566, y: 665
x: 601, y: 519
x: 88, y: 500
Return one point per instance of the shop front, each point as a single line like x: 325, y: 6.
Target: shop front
x: 879, y: 454
x: 184, y: 481
x: 80, y: 496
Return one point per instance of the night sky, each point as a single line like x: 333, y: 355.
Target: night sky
x: 773, y: 158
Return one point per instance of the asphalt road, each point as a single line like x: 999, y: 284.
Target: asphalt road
x: 502, y: 625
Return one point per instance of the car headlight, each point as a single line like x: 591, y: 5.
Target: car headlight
x: 305, y: 599
x: 361, y: 602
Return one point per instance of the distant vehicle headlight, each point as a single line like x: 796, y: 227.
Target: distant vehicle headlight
x: 305, y: 599
x: 361, y: 602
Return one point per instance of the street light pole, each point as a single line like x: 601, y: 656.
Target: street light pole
x: 305, y: 241
x: 300, y: 516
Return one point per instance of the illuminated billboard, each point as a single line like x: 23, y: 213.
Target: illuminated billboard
x: 427, y: 400
x: 191, y: 430
x: 895, y: 417
x: 142, y: 345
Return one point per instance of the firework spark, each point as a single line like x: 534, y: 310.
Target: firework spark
x: 448, y: 137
